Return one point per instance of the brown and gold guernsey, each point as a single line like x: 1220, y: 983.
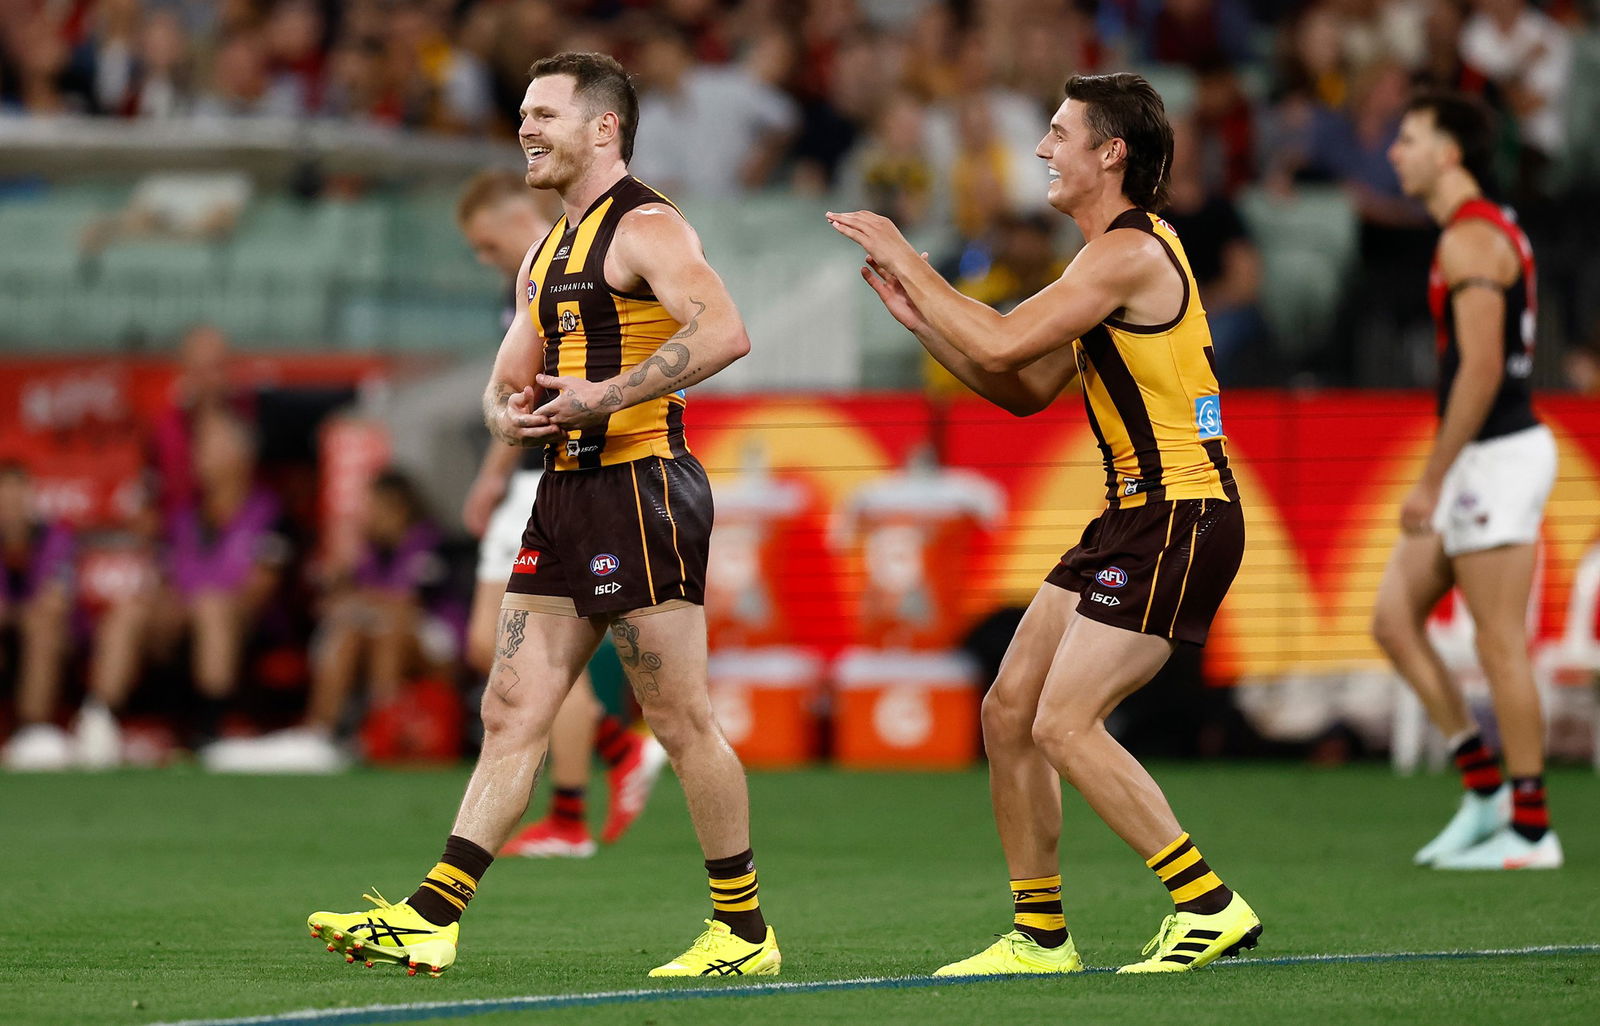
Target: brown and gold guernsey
x: 595, y: 332
x: 1152, y: 396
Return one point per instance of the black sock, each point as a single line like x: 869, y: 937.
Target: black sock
x: 450, y: 884
x: 734, y: 896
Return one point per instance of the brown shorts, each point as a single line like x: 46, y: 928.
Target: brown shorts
x: 617, y: 538
x: 1161, y: 568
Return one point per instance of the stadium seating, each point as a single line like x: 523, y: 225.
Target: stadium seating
x: 1308, y: 246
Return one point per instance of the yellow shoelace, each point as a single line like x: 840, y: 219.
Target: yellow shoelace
x: 1167, y: 926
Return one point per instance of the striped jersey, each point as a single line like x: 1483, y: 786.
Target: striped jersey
x: 1152, y: 395
x: 593, y: 331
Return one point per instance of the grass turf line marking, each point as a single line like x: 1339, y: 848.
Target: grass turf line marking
x: 424, y: 1010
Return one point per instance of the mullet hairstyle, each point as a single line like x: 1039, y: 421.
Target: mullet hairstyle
x: 1470, y: 125
x: 602, y: 85
x: 1125, y: 106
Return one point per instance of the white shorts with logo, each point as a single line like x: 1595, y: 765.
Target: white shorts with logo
x: 502, y: 540
x: 1494, y: 493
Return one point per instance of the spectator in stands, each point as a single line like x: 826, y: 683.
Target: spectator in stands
x: 892, y: 171
x: 295, y: 61
x: 1016, y: 260
x: 1226, y: 263
x: 1528, y: 56
x: 707, y: 130
x: 838, y: 97
x: 1226, y: 128
x: 158, y: 80
x: 371, y: 630
x: 36, y: 77
x: 221, y: 561
x: 36, y: 564
x: 240, y: 85
x: 1441, y: 64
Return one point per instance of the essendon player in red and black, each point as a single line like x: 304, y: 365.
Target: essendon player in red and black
x: 1472, y: 521
x: 622, y: 313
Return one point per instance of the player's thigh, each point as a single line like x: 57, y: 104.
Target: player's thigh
x: 1416, y: 577
x: 1496, y: 584
x: 1095, y: 667
x: 663, y: 654
x: 1026, y: 664
x: 537, y: 657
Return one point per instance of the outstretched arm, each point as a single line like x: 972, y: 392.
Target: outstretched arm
x: 1022, y: 392
x: 656, y: 245
x: 1098, y: 283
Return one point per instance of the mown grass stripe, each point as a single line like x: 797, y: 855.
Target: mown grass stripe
x: 425, y: 1010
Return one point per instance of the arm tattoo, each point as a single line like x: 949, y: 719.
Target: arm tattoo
x: 494, y: 403
x: 640, y: 665
x: 672, y: 358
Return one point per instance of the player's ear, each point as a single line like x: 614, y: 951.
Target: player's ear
x: 606, y: 128
x: 1116, y: 152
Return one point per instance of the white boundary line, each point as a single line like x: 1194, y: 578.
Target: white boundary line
x: 423, y: 1010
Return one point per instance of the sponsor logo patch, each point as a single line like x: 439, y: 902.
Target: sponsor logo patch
x: 604, y: 565
x: 533, y: 290
x: 608, y: 589
x: 1112, y: 577
x: 1208, y: 416
x: 527, y: 562
x: 1104, y: 600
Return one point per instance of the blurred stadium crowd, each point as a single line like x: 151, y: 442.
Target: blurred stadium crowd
x: 1311, y: 262
x: 929, y: 111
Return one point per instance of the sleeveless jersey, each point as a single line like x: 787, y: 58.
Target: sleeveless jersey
x: 595, y: 332
x: 1512, y: 409
x: 1152, y: 396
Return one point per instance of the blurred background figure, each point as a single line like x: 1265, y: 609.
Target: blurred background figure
x: 36, y: 559
x: 221, y: 560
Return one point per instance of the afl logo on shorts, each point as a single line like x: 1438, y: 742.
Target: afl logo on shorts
x: 527, y: 562
x: 1112, y: 577
x: 604, y: 565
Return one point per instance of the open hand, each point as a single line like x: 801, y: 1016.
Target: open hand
x: 879, y: 236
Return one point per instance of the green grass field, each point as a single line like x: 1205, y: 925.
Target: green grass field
x: 146, y: 897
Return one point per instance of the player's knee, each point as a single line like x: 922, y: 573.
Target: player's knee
x: 679, y: 726
x: 1392, y: 629
x: 1060, y: 736
x: 1004, y: 718
x: 1499, y: 647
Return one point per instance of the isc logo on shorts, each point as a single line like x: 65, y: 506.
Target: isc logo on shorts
x: 604, y: 565
x: 1112, y: 577
x: 608, y: 589
x: 1104, y: 600
x: 527, y: 562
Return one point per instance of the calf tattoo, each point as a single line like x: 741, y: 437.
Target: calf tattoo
x: 641, y: 665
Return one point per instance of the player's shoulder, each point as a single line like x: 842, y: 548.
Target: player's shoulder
x: 1126, y: 253
x: 1473, y: 245
x: 651, y: 229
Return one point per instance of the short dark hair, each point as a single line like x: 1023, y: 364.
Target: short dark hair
x: 1470, y: 125
x: 1125, y: 106
x: 602, y: 84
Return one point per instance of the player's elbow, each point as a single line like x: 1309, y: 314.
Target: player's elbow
x: 999, y: 362
x: 1024, y: 407
x: 738, y: 346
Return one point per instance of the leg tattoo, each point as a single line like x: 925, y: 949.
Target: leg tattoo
x: 641, y: 665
